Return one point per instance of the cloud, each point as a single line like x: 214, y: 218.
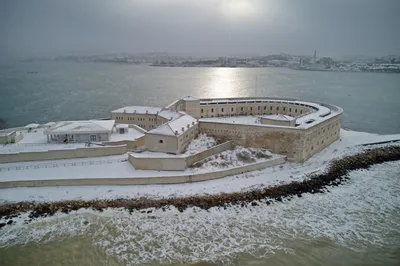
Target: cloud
x: 200, y: 27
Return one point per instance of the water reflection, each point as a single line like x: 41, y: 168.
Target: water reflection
x: 229, y: 82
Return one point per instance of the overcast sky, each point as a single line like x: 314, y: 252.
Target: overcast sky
x: 200, y: 27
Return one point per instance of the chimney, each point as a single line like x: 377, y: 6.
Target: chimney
x: 183, y: 129
x: 176, y: 132
x: 188, y: 125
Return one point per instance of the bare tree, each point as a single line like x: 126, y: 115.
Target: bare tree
x: 3, y: 123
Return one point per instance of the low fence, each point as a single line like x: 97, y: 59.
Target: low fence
x: 177, y: 163
x: 63, y: 154
x: 159, y: 180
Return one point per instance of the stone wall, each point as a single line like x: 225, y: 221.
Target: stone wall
x: 174, y: 163
x: 286, y: 141
x: 8, y: 137
x: 192, y: 159
x: 161, y: 143
x: 177, y: 163
x: 187, y: 137
x: 321, y: 136
x: 62, y: 154
x: 178, y: 179
x: 131, y: 145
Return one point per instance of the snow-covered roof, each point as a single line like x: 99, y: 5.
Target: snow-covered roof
x: 32, y: 125
x: 174, y: 128
x: 138, y: 110
x: 190, y: 98
x: 279, y: 117
x: 131, y: 134
x: 81, y: 127
x: 49, y: 124
x: 3, y: 133
x: 170, y: 114
x: 122, y: 126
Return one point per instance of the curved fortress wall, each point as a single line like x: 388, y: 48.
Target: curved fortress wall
x: 317, y: 125
x: 314, y: 125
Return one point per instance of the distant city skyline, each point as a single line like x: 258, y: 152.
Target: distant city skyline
x: 204, y: 28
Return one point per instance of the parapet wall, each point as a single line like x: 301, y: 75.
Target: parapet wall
x: 131, y: 145
x: 63, y: 154
x: 126, y: 181
x: 176, y: 163
x: 209, y: 152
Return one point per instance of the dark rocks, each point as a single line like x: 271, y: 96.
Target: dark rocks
x: 2, y: 225
x: 254, y: 203
x: 10, y: 222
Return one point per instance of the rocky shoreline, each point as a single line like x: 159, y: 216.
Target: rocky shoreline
x: 336, y: 173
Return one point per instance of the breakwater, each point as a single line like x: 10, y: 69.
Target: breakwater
x: 336, y: 173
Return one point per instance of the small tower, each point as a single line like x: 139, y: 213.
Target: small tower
x: 315, y: 57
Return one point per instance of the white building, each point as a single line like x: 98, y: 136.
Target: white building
x: 10, y: 137
x: 80, y: 131
x: 173, y: 136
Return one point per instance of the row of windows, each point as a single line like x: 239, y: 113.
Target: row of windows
x: 323, y: 141
x: 241, y: 113
x: 133, y: 119
x: 186, y: 136
x: 258, y: 108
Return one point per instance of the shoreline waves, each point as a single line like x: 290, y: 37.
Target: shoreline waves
x: 336, y: 173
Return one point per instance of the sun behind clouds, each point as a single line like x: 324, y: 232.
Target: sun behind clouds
x: 235, y: 9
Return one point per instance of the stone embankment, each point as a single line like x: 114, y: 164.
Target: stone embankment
x: 336, y: 174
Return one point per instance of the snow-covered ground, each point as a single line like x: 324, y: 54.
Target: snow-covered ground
x: 36, y: 147
x: 34, y: 136
x: 36, y: 141
x: 270, y: 176
x: 132, y: 134
x: 239, y: 156
x: 113, y: 167
x: 201, y: 143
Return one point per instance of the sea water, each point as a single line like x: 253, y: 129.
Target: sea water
x: 355, y: 224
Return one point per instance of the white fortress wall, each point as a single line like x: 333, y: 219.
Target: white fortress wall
x: 179, y: 179
x: 63, y: 154
x: 281, y: 140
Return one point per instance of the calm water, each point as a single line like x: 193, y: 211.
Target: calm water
x: 355, y: 224
x: 61, y: 91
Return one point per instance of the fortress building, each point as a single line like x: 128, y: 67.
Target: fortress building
x: 297, y: 129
